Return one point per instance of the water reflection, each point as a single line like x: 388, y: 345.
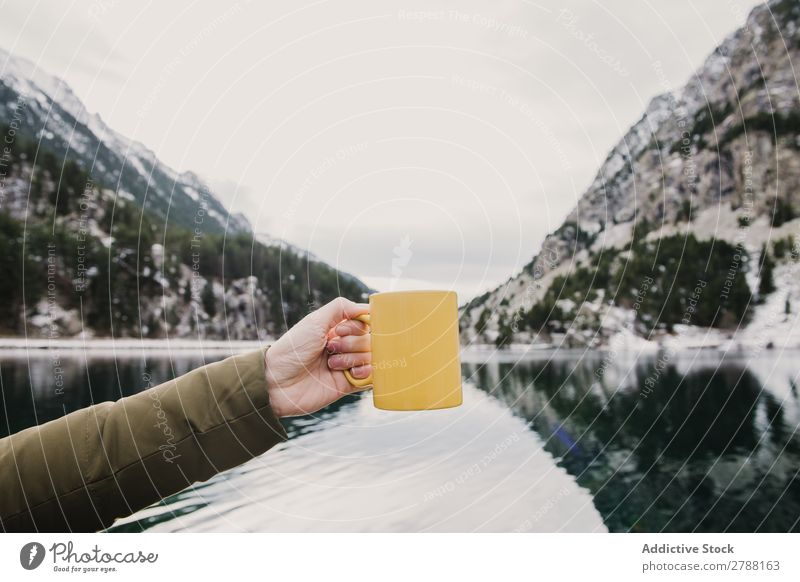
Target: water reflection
x: 557, y: 442
x: 350, y: 467
x: 42, y: 385
x: 689, y: 446
x: 36, y: 388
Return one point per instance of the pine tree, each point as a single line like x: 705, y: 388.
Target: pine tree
x: 766, y: 284
x: 505, y: 333
x: 208, y: 299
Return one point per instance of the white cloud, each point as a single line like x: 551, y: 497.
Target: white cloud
x: 470, y: 127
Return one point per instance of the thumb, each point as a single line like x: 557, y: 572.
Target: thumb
x: 340, y: 309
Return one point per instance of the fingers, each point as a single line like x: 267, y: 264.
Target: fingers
x: 361, y: 372
x: 351, y: 327
x: 340, y: 308
x: 349, y: 343
x: 345, y: 361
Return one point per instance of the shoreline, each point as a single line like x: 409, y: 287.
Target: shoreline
x: 17, y: 345
x: 125, y: 344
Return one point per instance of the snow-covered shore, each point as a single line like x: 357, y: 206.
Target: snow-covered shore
x: 775, y: 325
x: 772, y: 326
x: 17, y: 344
x: 775, y: 331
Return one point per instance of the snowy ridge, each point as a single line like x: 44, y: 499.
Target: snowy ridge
x: 715, y: 158
x: 52, y: 113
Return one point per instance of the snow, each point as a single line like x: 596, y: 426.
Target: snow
x: 193, y: 194
x: 46, y: 93
x: 722, y: 223
x: 96, y: 346
x: 771, y: 325
x: 614, y: 237
x: 567, y: 305
x: 627, y: 341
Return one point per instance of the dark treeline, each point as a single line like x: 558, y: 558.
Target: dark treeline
x: 66, y: 239
x: 672, y: 280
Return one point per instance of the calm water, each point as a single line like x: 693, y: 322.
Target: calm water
x: 551, y: 442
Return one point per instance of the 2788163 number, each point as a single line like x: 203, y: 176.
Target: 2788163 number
x: 774, y: 565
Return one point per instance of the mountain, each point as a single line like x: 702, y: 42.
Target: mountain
x: 690, y: 223
x: 100, y: 238
x: 48, y: 111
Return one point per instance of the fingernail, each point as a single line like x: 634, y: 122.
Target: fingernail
x: 330, y: 348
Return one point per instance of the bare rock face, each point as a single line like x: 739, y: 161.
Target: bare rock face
x: 717, y: 155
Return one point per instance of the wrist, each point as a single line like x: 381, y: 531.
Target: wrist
x: 272, y: 386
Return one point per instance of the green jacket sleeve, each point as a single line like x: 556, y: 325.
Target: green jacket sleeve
x: 86, y: 469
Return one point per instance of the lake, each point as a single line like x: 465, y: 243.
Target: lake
x: 545, y: 441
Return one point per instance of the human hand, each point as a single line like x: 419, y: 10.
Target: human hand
x: 304, y: 367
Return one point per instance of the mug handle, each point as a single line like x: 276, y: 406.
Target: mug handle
x: 359, y: 383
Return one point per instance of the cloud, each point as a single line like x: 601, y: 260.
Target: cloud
x: 64, y: 43
x: 467, y: 127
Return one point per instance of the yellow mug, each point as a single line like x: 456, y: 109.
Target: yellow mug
x: 415, y: 350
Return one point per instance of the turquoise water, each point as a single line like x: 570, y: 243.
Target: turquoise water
x: 551, y: 441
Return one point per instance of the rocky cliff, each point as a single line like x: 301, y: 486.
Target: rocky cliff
x: 703, y: 190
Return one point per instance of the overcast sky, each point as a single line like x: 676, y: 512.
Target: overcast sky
x: 415, y: 144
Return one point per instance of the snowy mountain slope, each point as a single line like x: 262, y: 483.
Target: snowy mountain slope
x: 98, y: 238
x: 45, y: 108
x: 718, y: 159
